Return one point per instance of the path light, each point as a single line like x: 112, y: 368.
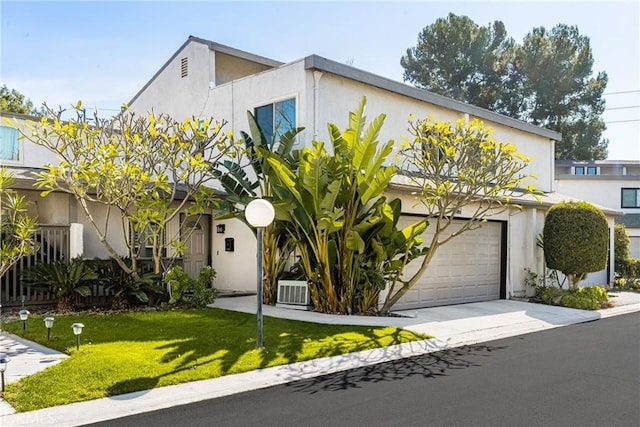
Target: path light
x: 4, y: 359
x: 259, y: 213
x: 48, y: 323
x: 77, y: 330
x: 24, y: 314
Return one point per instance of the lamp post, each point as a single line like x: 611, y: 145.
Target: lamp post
x: 48, y: 323
x: 24, y: 314
x: 259, y: 213
x: 4, y: 359
x: 77, y: 330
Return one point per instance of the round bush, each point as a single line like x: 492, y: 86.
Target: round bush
x: 576, y: 238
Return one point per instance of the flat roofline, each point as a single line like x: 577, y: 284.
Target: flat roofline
x: 315, y: 62
x: 597, y: 162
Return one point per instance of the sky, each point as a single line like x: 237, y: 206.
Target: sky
x: 103, y: 52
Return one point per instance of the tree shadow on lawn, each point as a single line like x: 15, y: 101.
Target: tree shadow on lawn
x: 432, y: 365
x: 190, y: 343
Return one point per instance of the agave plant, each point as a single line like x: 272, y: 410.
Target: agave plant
x: 63, y: 280
x: 125, y: 288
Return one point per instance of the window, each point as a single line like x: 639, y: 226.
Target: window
x: 586, y: 170
x: 276, y: 119
x: 142, y: 242
x: 9, y: 144
x: 630, y: 198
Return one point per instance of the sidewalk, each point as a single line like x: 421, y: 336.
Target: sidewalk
x: 452, y: 326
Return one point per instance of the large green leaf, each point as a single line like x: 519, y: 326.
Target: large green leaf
x: 354, y: 241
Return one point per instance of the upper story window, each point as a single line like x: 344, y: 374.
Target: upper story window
x: 9, y: 144
x: 586, y: 170
x: 276, y: 119
x: 630, y: 198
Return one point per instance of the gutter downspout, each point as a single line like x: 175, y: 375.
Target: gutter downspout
x: 317, y: 75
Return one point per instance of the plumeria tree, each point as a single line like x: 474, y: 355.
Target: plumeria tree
x: 17, y: 228
x: 135, y: 174
x: 456, y: 166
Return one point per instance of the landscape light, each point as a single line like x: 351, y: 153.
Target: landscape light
x: 77, y: 330
x: 48, y: 323
x: 259, y: 213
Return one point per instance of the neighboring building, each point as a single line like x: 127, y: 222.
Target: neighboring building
x: 611, y: 183
x: 64, y: 230
x: 60, y: 234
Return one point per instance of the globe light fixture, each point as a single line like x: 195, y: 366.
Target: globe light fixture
x: 48, y: 323
x: 4, y: 359
x: 24, y: 314
x: 77, y: 330
x: 259, y: 214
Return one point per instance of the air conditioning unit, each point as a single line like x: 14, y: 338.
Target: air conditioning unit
x: 293, y: 294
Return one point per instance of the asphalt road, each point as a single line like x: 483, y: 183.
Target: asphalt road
x: 581, y: 375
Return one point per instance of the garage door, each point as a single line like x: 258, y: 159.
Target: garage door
x: 466, y: 269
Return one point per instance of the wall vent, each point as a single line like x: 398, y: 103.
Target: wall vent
x: 184, y: 67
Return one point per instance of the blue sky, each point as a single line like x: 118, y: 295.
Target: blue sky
x: 104, y: 52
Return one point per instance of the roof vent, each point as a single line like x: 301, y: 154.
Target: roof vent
x: 184, y: 67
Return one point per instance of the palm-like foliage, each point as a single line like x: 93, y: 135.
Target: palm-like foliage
x: 241, y: 188
x: 333, y: 207
x: 63, y: 280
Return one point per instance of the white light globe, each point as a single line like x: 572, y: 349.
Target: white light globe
x: 259, y: 213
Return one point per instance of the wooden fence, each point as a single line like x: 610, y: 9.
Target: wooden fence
x: 53, y: 245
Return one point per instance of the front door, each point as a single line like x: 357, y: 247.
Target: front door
x: 195, y: 232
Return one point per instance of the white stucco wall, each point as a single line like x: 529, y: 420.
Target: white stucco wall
x: 31, y: 155
x: 330, y: 101
x: 178, y: 96
x: 338, y: 96
x: 237, y: 270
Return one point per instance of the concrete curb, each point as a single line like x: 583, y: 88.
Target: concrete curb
x: 517, y: 318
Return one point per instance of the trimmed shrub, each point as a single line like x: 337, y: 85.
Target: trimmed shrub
x: 576, y: 240
x: 621, y: 248
x: 632, y: 268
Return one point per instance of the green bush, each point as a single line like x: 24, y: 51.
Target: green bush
x: 588, y: 298
x: 627, y: 284
x: 549, y: 295
x: 632, y: 268
x: 189, y: 292
x: 621, y: 248
x: 63, y: 280
x: 126, y: 289
x: 576, y: 240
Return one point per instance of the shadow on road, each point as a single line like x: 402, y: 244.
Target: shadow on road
x: 431, y: 365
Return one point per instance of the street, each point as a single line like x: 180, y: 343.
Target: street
x: 581, y: 375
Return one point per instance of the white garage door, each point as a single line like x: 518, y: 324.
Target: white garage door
x: 466, y: 269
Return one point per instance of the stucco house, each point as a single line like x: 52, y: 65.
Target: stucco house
x: 611, y: 183
x: 204, y: 79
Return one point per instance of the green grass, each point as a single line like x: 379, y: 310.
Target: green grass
x: 127, y: 352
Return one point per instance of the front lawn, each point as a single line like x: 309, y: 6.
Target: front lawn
x: 126, y: 352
